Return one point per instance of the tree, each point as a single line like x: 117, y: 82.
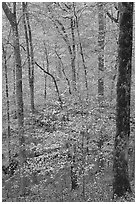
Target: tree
x: 101, y: 40
x: 81, y: 48
x: 69, y: 139
x: 47, y: 65
x: 12, y: 17
x: 121, y: 183
x: 14, y: 89
x: 7, y: 99
x: 101, y: 45
x: 60, y: 101
x: 70, y: 41
x: 30, y: 54
x: 63, y: 69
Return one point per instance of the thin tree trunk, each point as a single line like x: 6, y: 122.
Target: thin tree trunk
x: 14, y: 89
x: 121, y: 183
x: 83, y: 164
x: 28, y: 55
x: 8, y: 103
x: 63, y: 70
x: 74, y: 182
x: 73, y: 56
x: 47, y: 63
x: 101, y: 40
x: 45, y: 84
x: 81, y: 49
x: 45, y: 87
x: 31, y: 76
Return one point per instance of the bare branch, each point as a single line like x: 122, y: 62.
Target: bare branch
x: 111, y: 17
x: 9, y: 14
x: 53, y: 80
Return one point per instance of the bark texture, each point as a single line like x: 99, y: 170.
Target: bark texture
x: 101, y: 41
x: 7, y: 100
x: 121, y: 183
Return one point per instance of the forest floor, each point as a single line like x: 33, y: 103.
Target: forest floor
x: 50, y: 136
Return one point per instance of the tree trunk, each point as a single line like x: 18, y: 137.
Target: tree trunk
x: 45, y: 85
x: 74, y: 182
x: 31, y: 55
x: 101, y: 40
x: 19, y: 97
x: 121, y: 183
x: 8, y: 103
x: 73, y: 56
x: 28, y: 57
x: 63, y: 70
x: 113, y: 80
x: 14, y: 90
x: 47, y: 63
x: 13, y: 21
x: 81, y: 48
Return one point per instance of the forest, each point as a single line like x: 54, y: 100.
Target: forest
x: 68, y: 102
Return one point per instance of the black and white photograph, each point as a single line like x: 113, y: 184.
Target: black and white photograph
x: 68, y: 101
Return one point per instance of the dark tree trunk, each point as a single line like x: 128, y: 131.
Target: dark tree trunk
x: 101, y: 46
x: 121, y: 183
x: 101, y: 40
x: 30, y: 54
x: 73, y: 56
x: 74, y: 182
x: 19, y: 94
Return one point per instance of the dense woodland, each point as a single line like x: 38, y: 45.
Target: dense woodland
x: 68, y: 108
